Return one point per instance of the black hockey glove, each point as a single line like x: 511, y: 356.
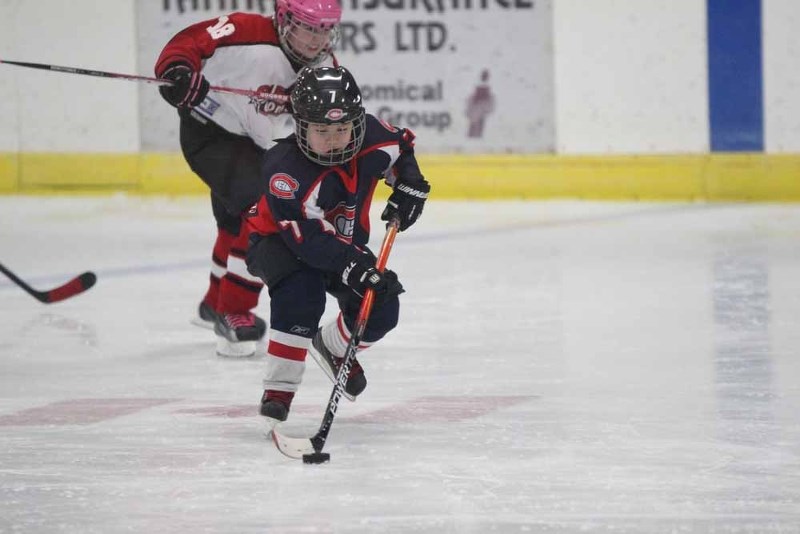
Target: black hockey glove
x: 189, y: 88
x: 362, y: 275
x: 406, y: 203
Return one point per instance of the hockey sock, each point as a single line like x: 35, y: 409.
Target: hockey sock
x: 336, y: 336
x: 219, y: 265
x: 238, y: 289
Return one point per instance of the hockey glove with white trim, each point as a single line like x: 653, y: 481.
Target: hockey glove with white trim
x: 189, y: 89
x: 360, y: 275
x: 406, y: 203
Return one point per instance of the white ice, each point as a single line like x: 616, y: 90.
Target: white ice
x: 559, y: 367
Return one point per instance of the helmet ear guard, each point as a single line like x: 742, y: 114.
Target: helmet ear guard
x: 311, y: 23
x: 328, y: 95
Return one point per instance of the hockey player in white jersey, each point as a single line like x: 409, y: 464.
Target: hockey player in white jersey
x: 223, y: 136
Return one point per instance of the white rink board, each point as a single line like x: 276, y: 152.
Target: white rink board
x: 420, y: 64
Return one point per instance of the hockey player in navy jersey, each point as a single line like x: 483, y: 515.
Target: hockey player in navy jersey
x: 224, y: 136
x: 309, y: 230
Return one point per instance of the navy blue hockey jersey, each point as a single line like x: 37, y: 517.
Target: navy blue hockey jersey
x: 322, y: 213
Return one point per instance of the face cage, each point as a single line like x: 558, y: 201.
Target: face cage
x: 290, y: 26
x: 337, y: 157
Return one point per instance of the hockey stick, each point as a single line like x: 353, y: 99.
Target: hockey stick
x: 77, y: 285
x: 133, y: 77
x: 310, y: 449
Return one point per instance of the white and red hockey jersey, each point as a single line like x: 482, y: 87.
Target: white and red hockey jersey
x: 239, y: 50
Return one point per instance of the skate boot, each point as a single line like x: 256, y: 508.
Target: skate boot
x: 356, y: 381
x: 237, y: 334
x: 276, y: 404
x: 206, y: 316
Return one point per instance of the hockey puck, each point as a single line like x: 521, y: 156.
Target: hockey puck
x: 316, y: 458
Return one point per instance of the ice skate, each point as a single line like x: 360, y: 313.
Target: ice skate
x: 206, y: 316
x: 276, y: 404
x: 237, y: 334
x: 356, y: 380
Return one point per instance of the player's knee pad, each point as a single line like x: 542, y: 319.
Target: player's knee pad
x: 384, y: 319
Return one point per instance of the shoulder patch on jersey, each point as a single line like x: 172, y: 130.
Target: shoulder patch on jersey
x: 208, y: 106
x: 283, y: 186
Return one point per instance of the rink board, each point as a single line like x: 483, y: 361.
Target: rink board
x: 747, y: 177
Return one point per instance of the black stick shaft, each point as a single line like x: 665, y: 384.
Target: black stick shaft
x: 41, y: 297
x: 85, y: 72
x: 147, y: 79
x: 318, y: 441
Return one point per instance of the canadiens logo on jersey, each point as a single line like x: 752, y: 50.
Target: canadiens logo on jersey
x: 342, y: 218
x: 274, y: 102
x: 283, y: 186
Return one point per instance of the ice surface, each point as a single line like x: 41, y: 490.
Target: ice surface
x: 559, y: 367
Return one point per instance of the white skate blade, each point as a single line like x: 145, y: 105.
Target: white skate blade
x: 267, y: 424
x: 229, y: 349
x: 197, y: 321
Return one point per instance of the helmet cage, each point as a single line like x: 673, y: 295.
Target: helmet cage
x: 328, y: 96
x: 336, y: 156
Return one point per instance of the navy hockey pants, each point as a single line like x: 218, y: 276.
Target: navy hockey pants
x: 298, y: 302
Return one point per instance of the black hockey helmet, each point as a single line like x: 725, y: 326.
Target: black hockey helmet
x: 328, y: 95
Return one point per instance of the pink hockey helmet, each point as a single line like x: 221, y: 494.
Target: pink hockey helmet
x: 308, y: 29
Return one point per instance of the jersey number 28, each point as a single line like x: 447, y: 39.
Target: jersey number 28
x: 221, y: 29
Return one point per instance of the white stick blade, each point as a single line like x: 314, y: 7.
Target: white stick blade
x: 292, y: 447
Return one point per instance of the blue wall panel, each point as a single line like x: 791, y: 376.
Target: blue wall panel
x: 735, y: 82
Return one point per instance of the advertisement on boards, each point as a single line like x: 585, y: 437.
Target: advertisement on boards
x: 467, y: 76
